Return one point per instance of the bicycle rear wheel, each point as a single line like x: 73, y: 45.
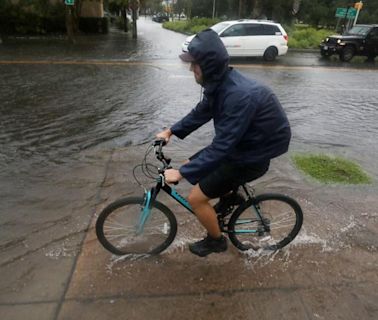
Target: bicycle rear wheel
x: 117, y: 227
x: 282, y: 217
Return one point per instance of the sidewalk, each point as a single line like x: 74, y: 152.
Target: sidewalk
x: 328, y: 273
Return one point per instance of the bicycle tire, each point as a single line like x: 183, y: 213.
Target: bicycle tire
x: 279, y: 235
x: 121, y: 239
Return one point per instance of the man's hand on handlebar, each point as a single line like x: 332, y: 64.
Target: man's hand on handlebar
x: 172, y: 175
x: 165, y: 134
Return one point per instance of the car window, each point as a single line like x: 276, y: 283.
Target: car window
x: 219, y: 26
x: 359, y: 30
x: 374, y: 34
x: 236, y: 30
x: 271, y: 30
x: 253, y: 29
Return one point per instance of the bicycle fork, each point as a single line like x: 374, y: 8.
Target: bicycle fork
x: 149, y: 198
x: 144, y: 213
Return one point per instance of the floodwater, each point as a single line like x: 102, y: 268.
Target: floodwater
x: 108, y: 91
x: 49, y: 113
x: 105, y: 92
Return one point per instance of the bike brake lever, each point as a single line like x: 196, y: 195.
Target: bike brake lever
x: 159, y: 142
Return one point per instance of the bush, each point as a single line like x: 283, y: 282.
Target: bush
x: 41, y: 19
x: 93, y: 25
x: 196, y: 29
x: 179, y: 26
x: 306, y: 37
x: 192, y: 26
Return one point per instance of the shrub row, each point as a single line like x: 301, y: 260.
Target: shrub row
x: 306, y: 37
x: 14, y: 19
x: 192, y: 26
x: 21, y: 20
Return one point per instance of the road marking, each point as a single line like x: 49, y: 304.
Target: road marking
x: 162, y: 64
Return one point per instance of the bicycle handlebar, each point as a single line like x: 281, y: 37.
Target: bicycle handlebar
x: 158, y: 145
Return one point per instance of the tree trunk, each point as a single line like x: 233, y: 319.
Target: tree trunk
x: 124, y: 17
x: 257, y: 9
x: 134, y: 16
x: 70, y: 24
x: 189, y: 9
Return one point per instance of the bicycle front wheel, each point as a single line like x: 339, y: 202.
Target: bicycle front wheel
x: 270, y: 221
x: 119, y: 230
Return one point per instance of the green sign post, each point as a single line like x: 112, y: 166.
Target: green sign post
x: 348, y: 13
x: 69, y: 2
x: 340, y: 12
x: 351, y: 13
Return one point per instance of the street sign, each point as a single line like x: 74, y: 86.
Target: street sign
x: 351, y: 13
x: 358, y: 5
x: 348, y: 13
x: 69, y: 2
x: 341, y: 12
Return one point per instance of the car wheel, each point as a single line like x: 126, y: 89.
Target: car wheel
x: 347, y: 54
x: 270, y: 54
x: 325, y: 53
x: 371, y: 57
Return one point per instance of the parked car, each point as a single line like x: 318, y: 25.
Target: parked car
x: 111, y: 17
x: 361, y: 40
x: 160, y: 17
x: 250, y: 38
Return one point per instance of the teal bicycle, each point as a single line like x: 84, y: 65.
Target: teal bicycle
x: 143, y: 225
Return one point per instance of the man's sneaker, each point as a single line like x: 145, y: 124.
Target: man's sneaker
x: 228, y: 202
x: 208, y: 245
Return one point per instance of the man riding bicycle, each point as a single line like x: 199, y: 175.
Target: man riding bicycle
x: 250, y: 125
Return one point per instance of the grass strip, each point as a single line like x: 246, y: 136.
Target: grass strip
x: 330, y: 169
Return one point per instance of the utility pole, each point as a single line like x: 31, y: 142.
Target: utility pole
x: 70, y: 23
x: 70, y: 20
x: 214, y: 5
x: 358, y: 6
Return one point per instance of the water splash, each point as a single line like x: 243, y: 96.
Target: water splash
x: 114, y: 260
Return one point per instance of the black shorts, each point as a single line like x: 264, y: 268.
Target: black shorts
x: 230, y: 176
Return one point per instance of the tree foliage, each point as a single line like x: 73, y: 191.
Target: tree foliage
x: 313, y: 12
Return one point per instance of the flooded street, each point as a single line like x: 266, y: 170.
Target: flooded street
x: 75, y: 120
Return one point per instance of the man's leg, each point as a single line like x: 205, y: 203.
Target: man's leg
x: 215, y: 241
x: 204, y: 211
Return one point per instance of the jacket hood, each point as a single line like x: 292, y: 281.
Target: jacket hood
x: 210, y: 53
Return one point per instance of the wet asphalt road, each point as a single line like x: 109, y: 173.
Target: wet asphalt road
x: 66, y: 108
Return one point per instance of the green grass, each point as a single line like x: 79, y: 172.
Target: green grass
x: 191, y: 26
x: 329, y: 169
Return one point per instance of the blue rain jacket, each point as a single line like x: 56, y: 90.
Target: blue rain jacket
x: 250, y: 123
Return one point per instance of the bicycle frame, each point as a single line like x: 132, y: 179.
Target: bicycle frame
x: 150, y: 197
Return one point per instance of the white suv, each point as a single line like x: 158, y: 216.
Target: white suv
x: 250, y: 38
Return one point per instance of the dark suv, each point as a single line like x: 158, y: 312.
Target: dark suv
x: 361, y: 40
x: 160, y: 17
